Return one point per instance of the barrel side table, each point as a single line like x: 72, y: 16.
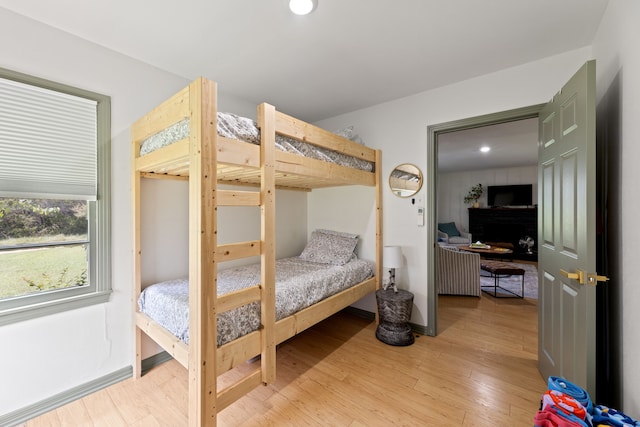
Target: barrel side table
x: 394, y: 312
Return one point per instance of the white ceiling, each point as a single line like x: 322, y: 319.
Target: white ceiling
x: 346, y: 55
x: 512, y: 144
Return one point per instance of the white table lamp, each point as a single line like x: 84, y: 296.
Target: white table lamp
x: 392, y: 258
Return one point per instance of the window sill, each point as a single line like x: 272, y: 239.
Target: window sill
x: 33, y: 311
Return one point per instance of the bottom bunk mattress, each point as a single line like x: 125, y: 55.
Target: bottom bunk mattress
x: 299, y: 284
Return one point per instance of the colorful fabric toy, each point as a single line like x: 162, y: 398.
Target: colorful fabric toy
x: 552, y: 416
x: 563, y: 402
x: 603, y: 416
x: 567, y: 387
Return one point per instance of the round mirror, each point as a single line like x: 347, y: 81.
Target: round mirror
x: 405, y: 180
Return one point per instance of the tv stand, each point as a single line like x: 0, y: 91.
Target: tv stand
x: 501, y: 224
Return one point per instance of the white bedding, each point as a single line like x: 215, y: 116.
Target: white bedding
x: 299, y: 284
x: 244, y: 129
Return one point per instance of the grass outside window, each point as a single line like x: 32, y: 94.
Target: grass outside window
x: 25, y: 271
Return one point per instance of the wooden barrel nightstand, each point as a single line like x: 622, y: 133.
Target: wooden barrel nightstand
x: 394, y: 311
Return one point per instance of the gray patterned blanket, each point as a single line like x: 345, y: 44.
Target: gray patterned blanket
x: 299, y: 284
x: 244, y: 129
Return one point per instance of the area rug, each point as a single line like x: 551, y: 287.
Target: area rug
x: 514, y: 283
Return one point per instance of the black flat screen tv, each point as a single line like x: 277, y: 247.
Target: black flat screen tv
x: 509, y: 195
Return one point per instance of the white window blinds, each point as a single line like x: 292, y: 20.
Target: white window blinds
x: 48, y: 143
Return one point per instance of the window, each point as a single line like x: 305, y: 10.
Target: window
x: 54, y: 197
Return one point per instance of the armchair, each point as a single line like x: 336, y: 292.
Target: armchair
x: 458, y: 272
x: 449, y: 233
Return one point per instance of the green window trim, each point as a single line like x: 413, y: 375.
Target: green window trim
x: 46, y: 303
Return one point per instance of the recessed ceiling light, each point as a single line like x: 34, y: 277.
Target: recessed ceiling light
x: 485, y: 149
x: 302, y: 7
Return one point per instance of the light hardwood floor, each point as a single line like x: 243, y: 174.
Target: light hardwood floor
x: 479, y: 371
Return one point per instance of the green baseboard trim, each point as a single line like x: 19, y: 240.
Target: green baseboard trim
x: 23, y: 415
x: 365, y: 314
x: 419, y: 329
x: 155, y: 360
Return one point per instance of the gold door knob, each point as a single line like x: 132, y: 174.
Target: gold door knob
x: 593, y: 279
x: 578, y: 275
x: 584, y: 278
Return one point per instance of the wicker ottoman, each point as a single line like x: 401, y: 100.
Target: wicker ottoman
x: 394, y: 311
x: 497, y: 270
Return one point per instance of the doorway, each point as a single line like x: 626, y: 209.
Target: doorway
x: 434, y: 132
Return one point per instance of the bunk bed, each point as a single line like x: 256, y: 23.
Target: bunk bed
x: 185, y: 138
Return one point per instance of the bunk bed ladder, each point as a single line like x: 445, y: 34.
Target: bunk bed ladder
x: 265, y: 247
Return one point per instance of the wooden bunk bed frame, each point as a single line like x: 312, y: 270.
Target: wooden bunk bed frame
x: 207, y: 159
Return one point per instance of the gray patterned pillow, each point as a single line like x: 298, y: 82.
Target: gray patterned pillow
x: 338, y: 233
x: 330, y: 247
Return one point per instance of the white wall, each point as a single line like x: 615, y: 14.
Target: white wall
x: 52, y: 354
x: 49, y: 355
x: 399, y: 128
x: 352, y: 210
x: 618, y: 91
x: 454, y: 186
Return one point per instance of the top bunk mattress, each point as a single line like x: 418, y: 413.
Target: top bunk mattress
x: 245, y: 129
x: 299, y: 284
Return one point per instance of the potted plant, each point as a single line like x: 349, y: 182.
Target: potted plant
x: 474, y: 194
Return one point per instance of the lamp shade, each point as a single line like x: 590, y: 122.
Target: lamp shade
x: 392, y: 257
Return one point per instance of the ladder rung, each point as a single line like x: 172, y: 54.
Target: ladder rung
x: 234, y: 392
x: 233, y: 251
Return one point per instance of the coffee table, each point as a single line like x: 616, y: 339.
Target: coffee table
x: 491, y: 251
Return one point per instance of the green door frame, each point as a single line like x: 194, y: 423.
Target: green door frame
x: 433, y: 131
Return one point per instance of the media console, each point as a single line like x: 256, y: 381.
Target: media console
x: 506, y: 225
